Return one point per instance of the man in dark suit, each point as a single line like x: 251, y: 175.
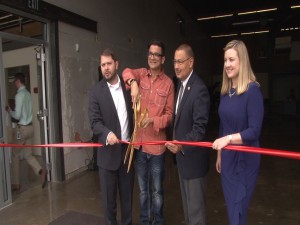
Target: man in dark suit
x: 110, y: 116
x: 189, y: 124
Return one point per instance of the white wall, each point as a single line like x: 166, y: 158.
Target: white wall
x: 126, y: 27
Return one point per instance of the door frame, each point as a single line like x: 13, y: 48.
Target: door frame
x: 56, y: 167
x: 5, y: 190
x: 5, y: 185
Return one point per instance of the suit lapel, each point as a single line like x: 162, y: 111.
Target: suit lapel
x: 128, y: 103
x: 125, y: 94
x: 185, y: 95
x: 108, y: 98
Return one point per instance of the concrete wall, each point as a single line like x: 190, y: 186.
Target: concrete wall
x: 78, y: 71
x: 126, y: 27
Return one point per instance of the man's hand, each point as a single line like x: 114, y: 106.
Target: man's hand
x: 7, y: 108
x: 173, y: 148
x: 135, y: 92
x: 112, y: 139
x: 145, y: 122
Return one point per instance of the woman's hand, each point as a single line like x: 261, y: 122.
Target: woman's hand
x: 221, y: 143
x: 218, y: 162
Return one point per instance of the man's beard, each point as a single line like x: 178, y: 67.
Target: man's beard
x: 110, y: 78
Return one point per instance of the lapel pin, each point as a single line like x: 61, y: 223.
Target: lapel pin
x: 189, y: 88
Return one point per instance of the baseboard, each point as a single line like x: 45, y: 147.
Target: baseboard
x: 76, y: 172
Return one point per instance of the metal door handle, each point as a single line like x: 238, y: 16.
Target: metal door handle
x: 40, y: 115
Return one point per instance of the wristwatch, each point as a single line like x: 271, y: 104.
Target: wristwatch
x: 230, y: 138
x: 130, y: 81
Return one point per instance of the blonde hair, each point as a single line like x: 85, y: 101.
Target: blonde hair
x: 245, y: 71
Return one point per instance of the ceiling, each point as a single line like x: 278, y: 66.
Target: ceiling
x: 272, y: 21
x: 18, y: 25
x: 281, y: 17
x: 14, y: 24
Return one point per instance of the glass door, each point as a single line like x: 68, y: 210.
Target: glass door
x: 14, y: 63
x: 20, y: 39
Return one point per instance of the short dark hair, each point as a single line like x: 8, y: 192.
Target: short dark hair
x: 109, y: 52
x: 157, y: 43
x: 20, y: 77
x: 187, y: 49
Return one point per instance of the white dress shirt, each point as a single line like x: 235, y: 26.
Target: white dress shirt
x: 183, y: 84
x: 119, y: 100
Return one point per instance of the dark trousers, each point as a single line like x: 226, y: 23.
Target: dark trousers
x: 110, y: 182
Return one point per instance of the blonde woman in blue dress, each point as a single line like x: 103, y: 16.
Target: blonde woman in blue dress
x: 241, y: 112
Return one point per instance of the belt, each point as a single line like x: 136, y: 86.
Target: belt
x: 19, y: 125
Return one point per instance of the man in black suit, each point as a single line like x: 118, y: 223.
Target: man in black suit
x: 110, y: 116
x: 189, y: 124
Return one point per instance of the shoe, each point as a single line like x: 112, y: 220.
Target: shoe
x: 15, y: 187
x: 43, y: 177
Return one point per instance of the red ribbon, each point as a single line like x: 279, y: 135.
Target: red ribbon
x: 265, y: 151
x: 57, y: 145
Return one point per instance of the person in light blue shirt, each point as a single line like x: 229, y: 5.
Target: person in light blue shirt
x: 23, y: 102
x: 23, y: 134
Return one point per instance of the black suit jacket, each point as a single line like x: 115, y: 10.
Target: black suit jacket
x: 190, y: 125
x: 104, y: 119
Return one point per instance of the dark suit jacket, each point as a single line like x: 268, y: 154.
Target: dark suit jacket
x: 190, y: 125
x: 104, y: 119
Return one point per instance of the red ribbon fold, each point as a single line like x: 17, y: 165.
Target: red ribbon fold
x: 265, y: 151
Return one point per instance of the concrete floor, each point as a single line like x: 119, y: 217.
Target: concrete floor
x: 276, y: 200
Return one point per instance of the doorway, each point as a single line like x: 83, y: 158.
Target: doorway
x: 23, y: 43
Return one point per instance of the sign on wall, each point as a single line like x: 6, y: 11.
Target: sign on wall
x: 33, y: 4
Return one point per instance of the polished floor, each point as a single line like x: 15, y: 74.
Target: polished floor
x: 276, y: 200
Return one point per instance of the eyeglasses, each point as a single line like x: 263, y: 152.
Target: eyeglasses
x: 154, y: 54
x: 180, y: 62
